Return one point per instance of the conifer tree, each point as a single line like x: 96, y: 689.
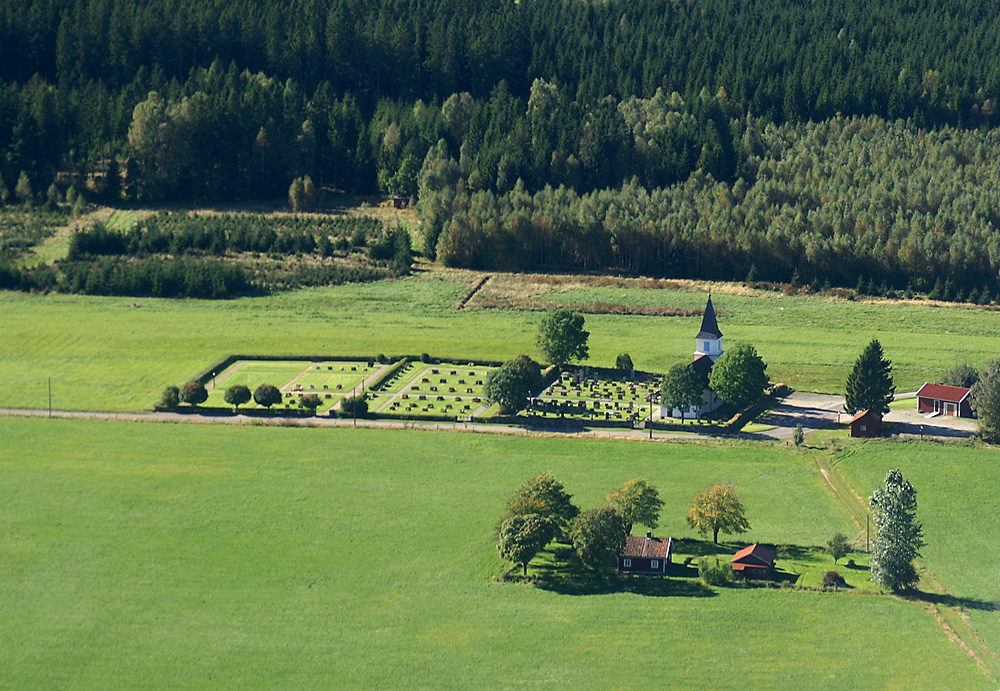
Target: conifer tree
x: 869, y: 385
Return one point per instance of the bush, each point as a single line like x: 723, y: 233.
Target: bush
x: 310, y: 401
x: 354, y: 406
x: 715, y: 572
x: 380, y: 359
x: 798, y: 436
x: 171, y: 397
x: 193, y: 393
x: 832, y: 579
x: 424, y: 357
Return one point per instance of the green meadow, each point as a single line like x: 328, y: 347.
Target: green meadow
x: 184, y: 556
x: 104, y: 354
x: 958, y: 493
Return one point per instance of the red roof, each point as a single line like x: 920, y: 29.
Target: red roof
x: 860, y: 414
x: 756, y: 551
x: 942, y: 392
x: 642, y: 546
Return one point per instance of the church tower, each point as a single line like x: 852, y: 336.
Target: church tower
x: 709, y: 339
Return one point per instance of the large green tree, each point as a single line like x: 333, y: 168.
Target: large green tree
x: 523, y: 536
x: 193, y: 393
x: 236, y: 395
x: 869, y: 385
x: 985, y: 395
x: 546, y: 496
x: 718, y: 509
x: 561, y: 337
x: 898, y: 534
x: 267, y: 395
x: 638, y: 502
x: 739, y: 377
x: 512, y: 384
x: 598, y: 537
x: 682, y: 387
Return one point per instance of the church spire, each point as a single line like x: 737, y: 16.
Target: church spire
x: 709, y: 326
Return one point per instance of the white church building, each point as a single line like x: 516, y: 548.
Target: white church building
x: 708, y: 349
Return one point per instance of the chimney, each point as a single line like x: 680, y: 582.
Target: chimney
x: 649, y: 533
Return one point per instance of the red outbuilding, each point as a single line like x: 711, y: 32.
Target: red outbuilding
x: 947, y: 400
x: 866, y: 424
x: 754, y: 561
x: 649, y: 556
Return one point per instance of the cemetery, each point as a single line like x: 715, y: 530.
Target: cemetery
x: 596, y: 395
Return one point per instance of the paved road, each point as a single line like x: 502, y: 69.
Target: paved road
x: 812, y: 411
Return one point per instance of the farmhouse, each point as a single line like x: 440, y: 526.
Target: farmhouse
x: 866, y: 424
x: 754, y: 561
x: 708, y: 349
x: 648, y: 555
x: 946, y: 400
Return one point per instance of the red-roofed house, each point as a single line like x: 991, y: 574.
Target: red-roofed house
x: 648, y: 555
x: 947, y: 400
x: 866, y: 424
x: 754, y: 561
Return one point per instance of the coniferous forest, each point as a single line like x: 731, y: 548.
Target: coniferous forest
x: 842, y: 143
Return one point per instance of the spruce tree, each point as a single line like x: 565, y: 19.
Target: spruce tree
x: 898, y: 535
x: 869, y: 385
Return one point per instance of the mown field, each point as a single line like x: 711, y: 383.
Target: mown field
x: 104, y: 354
x: 958, y: 492
x: 183, y: 556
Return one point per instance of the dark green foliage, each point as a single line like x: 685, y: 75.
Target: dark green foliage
x: 799, y: 435
x: 267, y: 395
x: 682, y: 387
x: 561, y: 337
x: 310, y: 402
x: 869, y: 385
x: 832, y: 579
x: 523, y: 536
x: 624, y: 362
x: 193, y: 393
x: 714, y: 571
x: 963, y: 374
x: 512, y: 384
x: 739, y: 377
x: 598, y: 536
x: 237, y: 395
x: 898, y: 534
x: 354, y: 406
x: 546, y: 496
x: 985, y: 397
x: 171, y: 397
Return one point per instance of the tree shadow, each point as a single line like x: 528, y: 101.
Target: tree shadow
x: 702, y: 548
x: 951, y: 600
x: 649, y: 586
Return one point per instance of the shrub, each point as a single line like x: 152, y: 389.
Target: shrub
x: 798, y: 436
x: 354, y: 406
x: 424, y: 357
x: 310, y: 401
x: 193, y: 393
x: 380, y: 359
x: 832, y: 579
x: 715, y: 572
x: 171, y: 397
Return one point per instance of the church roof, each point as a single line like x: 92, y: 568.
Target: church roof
x: 709, y: 327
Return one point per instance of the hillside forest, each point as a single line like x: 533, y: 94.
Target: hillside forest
x: 834, y: 145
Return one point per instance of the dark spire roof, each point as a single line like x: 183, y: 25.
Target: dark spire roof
x: 709, y: 327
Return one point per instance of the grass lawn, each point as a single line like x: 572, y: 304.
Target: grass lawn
x: 958, y: 490
x: 103, y: 354
x: 184, y: 556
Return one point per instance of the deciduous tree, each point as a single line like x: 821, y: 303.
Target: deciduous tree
x: 512, y: 384
x: 739, y: 377
x: 682, y: 387
x: 718, y: 509
x: 523, y: 536
x: 985, y: 397
x: 838, y: 546
x: 236, y: 395
x: 598, y: 537
x: 561, y: 337
x: 624, y: 362
x: 171, y: 397
x: 638, y: 502
x: 869, y: 385
x: 311, y: 402
x: 267, y: 395
x: 898, y: 534
x: 193, y: 393
x: 546, y: 496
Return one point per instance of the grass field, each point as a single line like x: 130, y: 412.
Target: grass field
x: 958, y: 491
x: 184, y: 556
x: 103, y: 354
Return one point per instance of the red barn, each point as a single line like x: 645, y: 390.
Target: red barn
x: 947, y: 400
x: 866, y: 424
x: 649, y: 556
x: 754, y: 561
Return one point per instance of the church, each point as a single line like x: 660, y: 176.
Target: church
x: 708, y: 349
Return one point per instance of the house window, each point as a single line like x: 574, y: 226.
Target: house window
x: 627, y: 563
x: 864, y: 428
x: 655, y: 564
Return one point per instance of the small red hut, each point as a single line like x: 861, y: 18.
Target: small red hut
x: 866, y: 424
